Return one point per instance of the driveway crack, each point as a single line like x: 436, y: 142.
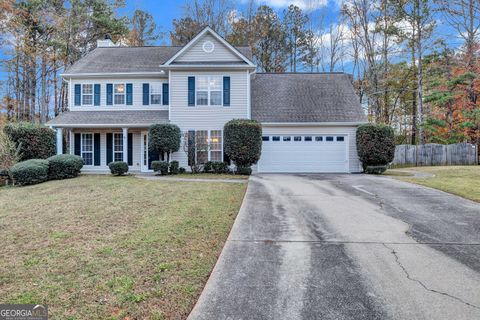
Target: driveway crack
x: 424, y: 286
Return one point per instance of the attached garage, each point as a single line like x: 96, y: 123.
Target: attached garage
x: 304, y: 153
x: 309, y: 122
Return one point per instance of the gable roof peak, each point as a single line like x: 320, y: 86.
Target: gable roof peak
x: 212, y: 32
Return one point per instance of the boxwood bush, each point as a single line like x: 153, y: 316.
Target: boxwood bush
x: 375, y: 146
x: 35, y: 141
x: 64, y: 166
x: 245, y: 171
x: 215, y: 167
x: 160, y: 167
x: 30, y: 172
x: 174, y: 167
x: 118, y: 168
x: 243, y: 141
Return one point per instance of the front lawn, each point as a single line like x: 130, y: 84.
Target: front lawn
x: 210, y: 176
x: 459, y: 180
x: 102, y: 247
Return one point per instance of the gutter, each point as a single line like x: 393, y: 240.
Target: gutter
x: 309, y: 124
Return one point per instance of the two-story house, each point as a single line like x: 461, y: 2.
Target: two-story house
x: 309, y: 120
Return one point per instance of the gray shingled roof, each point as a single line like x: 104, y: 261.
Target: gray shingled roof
x: 305, y: 97
x: 135, y: 118
x: 130, y: 59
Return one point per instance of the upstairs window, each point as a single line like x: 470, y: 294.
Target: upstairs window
x: 119, y: 93
x: 209, y: 90
x: 155, y: 94
x: 87, y: 94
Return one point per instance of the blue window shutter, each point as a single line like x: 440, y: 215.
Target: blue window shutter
x: 96, y: 94
x: 77, y: 144
x: 109, y: 147
x: 78, y: 94
x: 109, y: 94
x: 129, y: 94
x: 146, y: 94
x: 191, y: 91
x: 226, y: 91
x: 96, y: 149
x: 130, y: 149
x: 165, y: 94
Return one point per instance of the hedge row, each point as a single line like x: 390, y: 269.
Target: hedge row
x: 35, y: 171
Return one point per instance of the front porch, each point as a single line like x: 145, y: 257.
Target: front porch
x: 100, y: 137
x: 98, y: 147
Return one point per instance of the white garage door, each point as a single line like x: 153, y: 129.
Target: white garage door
x: 304, y: 153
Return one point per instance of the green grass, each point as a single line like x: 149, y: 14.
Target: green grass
x: 209, y: 176
x: 460, y: 180
x: 102, y: 247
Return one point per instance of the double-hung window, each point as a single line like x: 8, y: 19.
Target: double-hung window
x: 201, y: 143
x: 119, y: 93
x: 87, y: 148
x: 118, y: 147
x: 209, y: 90
x: 208, y: 145
x: 87, y: 94
x: 155, y: 94
x: 216, y: 145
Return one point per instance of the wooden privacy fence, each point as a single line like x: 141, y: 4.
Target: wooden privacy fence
x: 435, y: 154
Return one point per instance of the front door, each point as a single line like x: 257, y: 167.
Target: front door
x: 147, y: 155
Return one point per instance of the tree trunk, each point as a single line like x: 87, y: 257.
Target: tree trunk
x: 420, y: 76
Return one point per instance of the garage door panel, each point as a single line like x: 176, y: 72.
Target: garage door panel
x: 304, y: 156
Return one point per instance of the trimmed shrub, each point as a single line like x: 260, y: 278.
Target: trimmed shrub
x: 182, y: 170
x: 375, y: 145
x: 160, y: 166
x: 34, y: 141
x: 220, y: 167
x: 164, y: 138
x: 174, y: 167
x: 215, y: 167
x: 30, y: 172
x: 375, y: 169
x: 64, y: 166
x: 243, y: 141
x: 208, y: 166
x: 244, y: 171
x: 118, y: 168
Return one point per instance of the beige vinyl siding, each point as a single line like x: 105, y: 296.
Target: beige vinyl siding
x: 195, y: 53
x: 350, y: 131
x: 205, y: 117
x: 103, y: 147
x: 137, y: 83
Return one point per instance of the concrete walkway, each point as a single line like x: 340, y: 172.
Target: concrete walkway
x: 347, y: 247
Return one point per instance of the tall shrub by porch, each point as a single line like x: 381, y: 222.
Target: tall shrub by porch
x: 34, y: 141
x: 164, y: 138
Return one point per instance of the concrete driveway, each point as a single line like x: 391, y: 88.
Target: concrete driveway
x: 347, y: 247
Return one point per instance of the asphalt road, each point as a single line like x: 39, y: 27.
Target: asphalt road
x: 347, y: 247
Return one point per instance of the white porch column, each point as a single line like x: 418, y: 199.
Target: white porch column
x: 59, y: 140
x: 72, y: 141
x: 125, y: 144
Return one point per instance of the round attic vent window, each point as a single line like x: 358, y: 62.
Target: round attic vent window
x: 208, y: 46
